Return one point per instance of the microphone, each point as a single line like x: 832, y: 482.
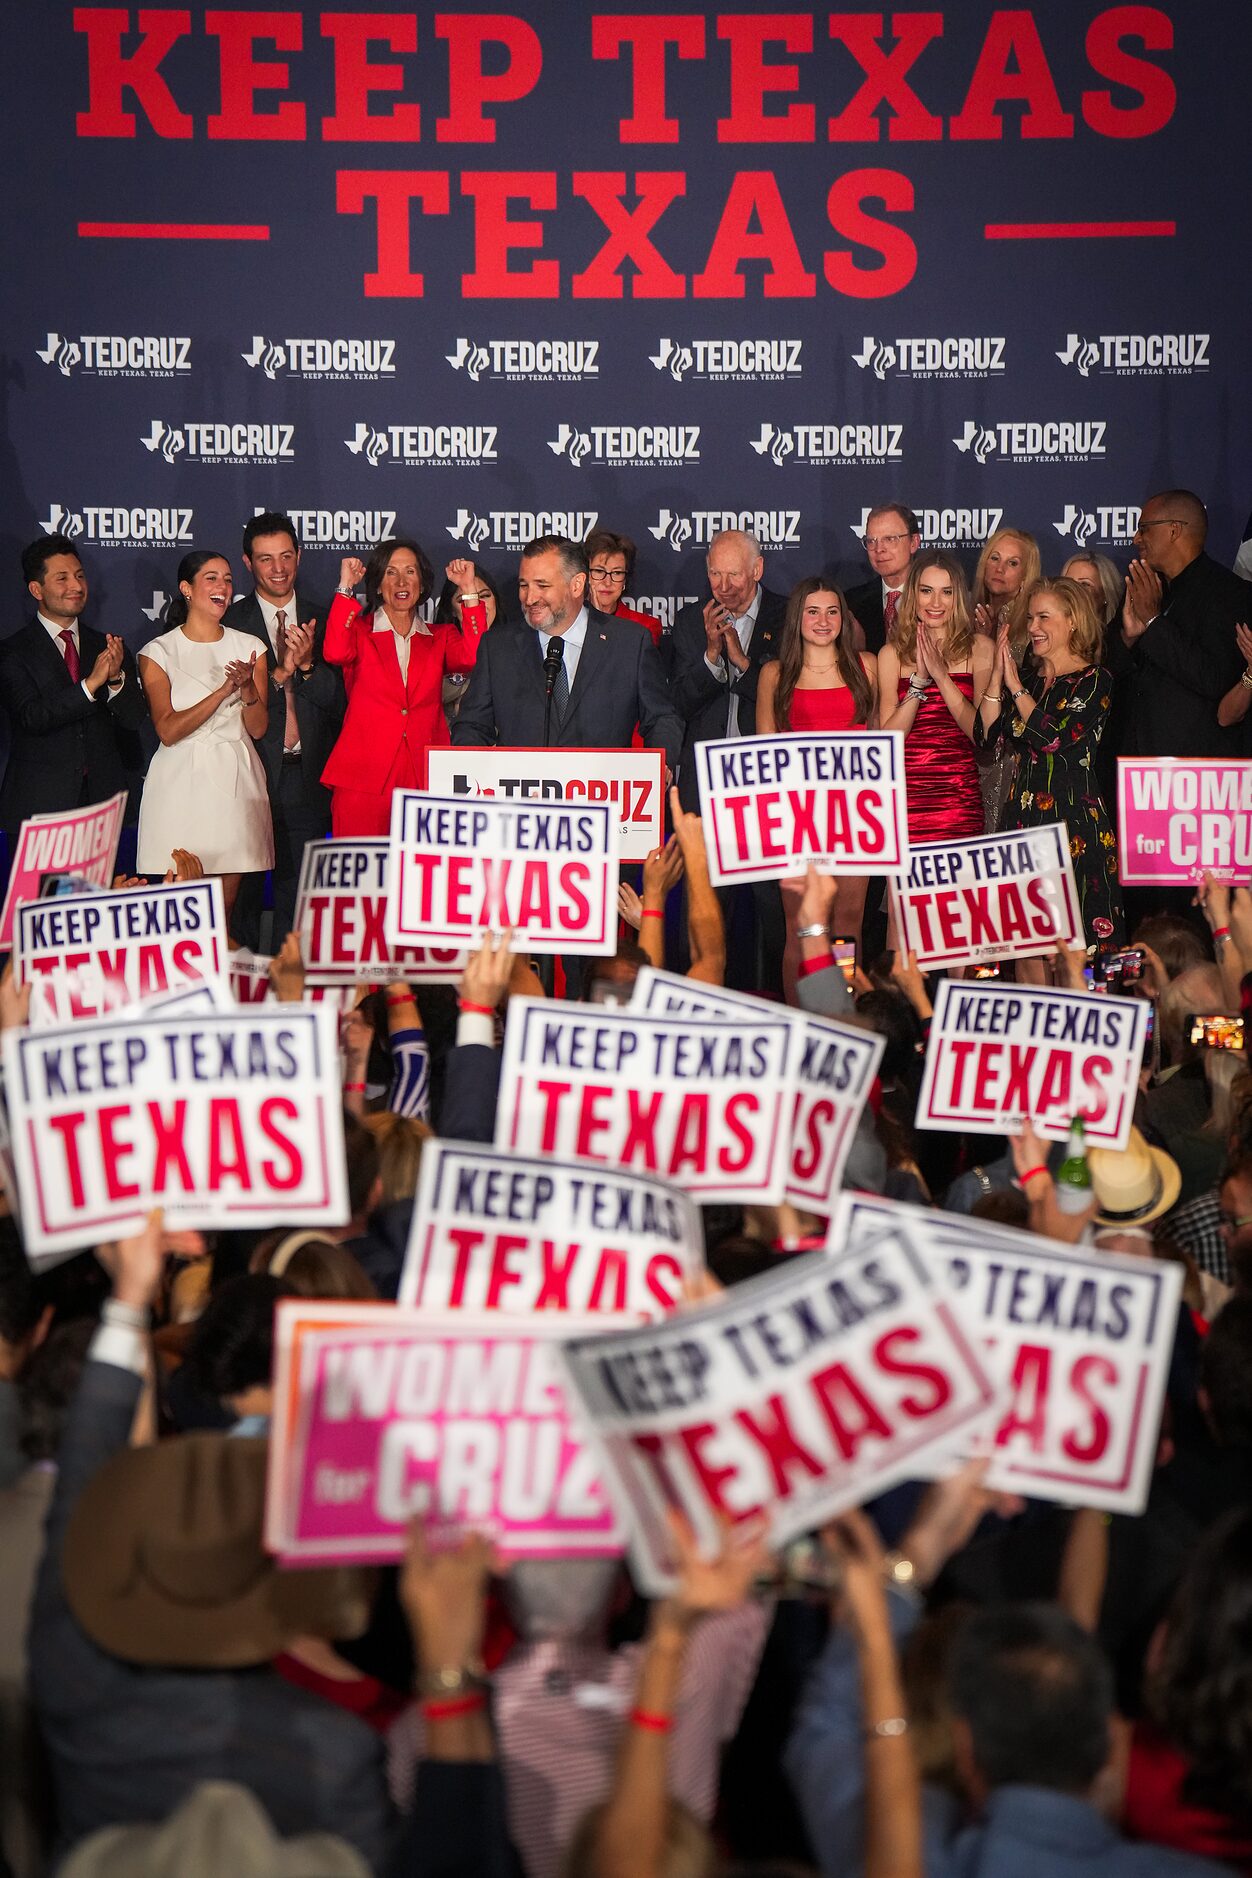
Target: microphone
x: 553, y: 659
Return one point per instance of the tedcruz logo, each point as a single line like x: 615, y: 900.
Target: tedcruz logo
x: 159, y: 603
x: 342, y: 528
x: 112, y: 526
x: 773, y: 528
x: 170, y: 442
x: 1137, y: 355
x: 1064, y: 441
x: 830, y: 443
x: 1108, y: 525
x: 515, y: 528
x: 322, y: 358
x: 947, y: 528
x: 110, y: 355
x: 756, y: 361
x: 222, y: 443
x: 538, y: 360
x: 980, y: 357
x: 629, y: 445
x: 425, y: 445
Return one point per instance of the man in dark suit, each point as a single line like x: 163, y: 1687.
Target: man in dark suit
x: 892, y: 538
x: 718, y: 651
x: 72, y: 696
x: 306, y: 713
x: 608, y: 679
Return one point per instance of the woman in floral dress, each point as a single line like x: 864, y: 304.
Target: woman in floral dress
x: 1055, y: 725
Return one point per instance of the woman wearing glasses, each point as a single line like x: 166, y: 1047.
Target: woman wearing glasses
x: 611, y: 559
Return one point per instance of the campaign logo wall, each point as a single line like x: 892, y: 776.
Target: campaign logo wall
x: 1021, y: 440
x: 949, y: 357
x: 336, y: 528
x: 515, y: 528
x: 220, y: 442
x: 773, y: 528
x: 1136, y: 355
x: 530, y: 361
x: 663, y: 606
x: 722, y: 361
x: 1108, y: 525
x: 628, y: 446
x: 346, y: 359
x: 827, y: 445
x: 113, y: 525
x: 115, y: 355
x: 953, y: 527
x: 423, y: 446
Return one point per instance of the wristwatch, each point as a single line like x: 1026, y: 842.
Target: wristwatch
x: 1245, y: 678
x: 453, y: 1679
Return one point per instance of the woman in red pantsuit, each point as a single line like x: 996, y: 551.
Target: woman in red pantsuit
x: 393, y: 667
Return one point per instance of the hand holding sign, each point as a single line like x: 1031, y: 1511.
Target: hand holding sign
x: 487, y: 972
x: 444, y: 1594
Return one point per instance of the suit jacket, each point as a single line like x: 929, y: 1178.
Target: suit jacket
x: 701, y: 699
x: 313, y: 1766
x: 865, y: 605
x: 319, y: 700
x: 618, y: 684
x: 57, y: 733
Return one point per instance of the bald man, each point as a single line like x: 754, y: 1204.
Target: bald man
x: 1177, y: 655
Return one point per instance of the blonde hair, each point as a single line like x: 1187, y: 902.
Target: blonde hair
x: 1112, y: 583
x: 1013, y: 610
x: 399, y: 1140
x: 958, y: 640
x: 1086, y: 634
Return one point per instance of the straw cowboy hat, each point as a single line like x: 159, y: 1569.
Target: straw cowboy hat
x: 163, y: 1562
x: 220, y: 1831
x: 1134, y: 1184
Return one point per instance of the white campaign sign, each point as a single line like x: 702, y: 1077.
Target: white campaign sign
x: 227, y: 1120
x: 458, y: 869
x: 1077, y: 1341
x: 999, y: 1054
x: 503, y: 1232
x: 701, y: 1101
x: 95, y: 953
x: 835, y: 1065
x: 773, y: 805
x: 341, y: 916
x: 631, y: 782
x: 1009, y: 896
x: 795, y: 1396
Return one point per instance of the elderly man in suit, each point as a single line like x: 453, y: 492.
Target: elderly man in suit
x: 892, y: 538
x: 570, y: 678
x: 71, y: 694
x: 306, y: 713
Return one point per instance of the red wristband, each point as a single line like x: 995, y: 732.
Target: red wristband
x: 457, y: 1705
x: 400, y: 997
x: 659, y: 1724
x: 1221, y: 932
x: 476, y: 1010
x: 807, y: 967
x: 652, y: 912
x: 1030, y: 1173
x: 354, y: 1088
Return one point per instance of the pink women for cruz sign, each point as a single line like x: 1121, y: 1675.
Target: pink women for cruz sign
x: 384, y: 1412
x: 1177, y: 820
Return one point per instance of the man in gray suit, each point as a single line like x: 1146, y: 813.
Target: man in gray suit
x: 571, y: 678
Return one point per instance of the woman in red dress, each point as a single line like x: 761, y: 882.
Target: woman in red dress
x: 932, y: 674
x: 393, y: 669
x: 818, y: 682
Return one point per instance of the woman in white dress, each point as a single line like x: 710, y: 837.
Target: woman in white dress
x: 206, y: 689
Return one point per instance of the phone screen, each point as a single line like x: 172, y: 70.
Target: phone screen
x: 845, y: 957
x: 1216, y: 1030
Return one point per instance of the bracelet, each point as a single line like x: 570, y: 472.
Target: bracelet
x: 992, y: 697
x: 817, y: 931
x: 917, y: 693
x: 1221, y: 932
x: 1024, y: 1179
x: 1019, y: 693
x: 658, y: 1724
x: 400, y: 997
x: 354, y: 1088
x: 476, y: 1010
x: 1245, y: 678
x: 459, y: 1705
x: 652, y: 912
x: 889, y: 1729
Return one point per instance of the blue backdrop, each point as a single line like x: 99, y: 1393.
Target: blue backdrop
x: 479, y: 275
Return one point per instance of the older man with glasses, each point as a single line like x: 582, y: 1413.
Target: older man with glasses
x: 892, y: 537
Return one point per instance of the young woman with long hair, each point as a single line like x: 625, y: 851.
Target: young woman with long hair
x: 818, y: 682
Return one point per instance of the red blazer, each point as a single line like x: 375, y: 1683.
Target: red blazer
x: 383, y: 710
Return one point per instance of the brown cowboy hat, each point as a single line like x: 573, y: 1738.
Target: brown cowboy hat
x: 163, y: 1562
x: 1132, y: 1185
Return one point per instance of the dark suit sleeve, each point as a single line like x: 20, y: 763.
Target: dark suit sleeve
x: 476, y: 722
x: 37, y: 710
x: 659, y: 723
x: 692, y: 685
x: 321, y: 689
x: 1201, y: 655
x: 128, y: 707
x: 470, y: 1092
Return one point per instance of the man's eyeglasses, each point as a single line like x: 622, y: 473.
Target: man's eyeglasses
x: 883, y: 541
x: 1160, y: 521
x: 607, y: 574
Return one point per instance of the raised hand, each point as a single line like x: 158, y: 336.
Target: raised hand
x: 487, y: 971
x: 923, y: 658
x: 444, y: 1598
x: 985, y: 620
x: 287, y: 971
x: 662, y: 870
x: 296, y: 648
x: 351, y: 573
x: 629, y: 905
x: 241, y: 677
x: 722, y: 1582
x: 817, y: 902
x: 463, y: 574
x: 1143, y: 599
x: 1243, y: 639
